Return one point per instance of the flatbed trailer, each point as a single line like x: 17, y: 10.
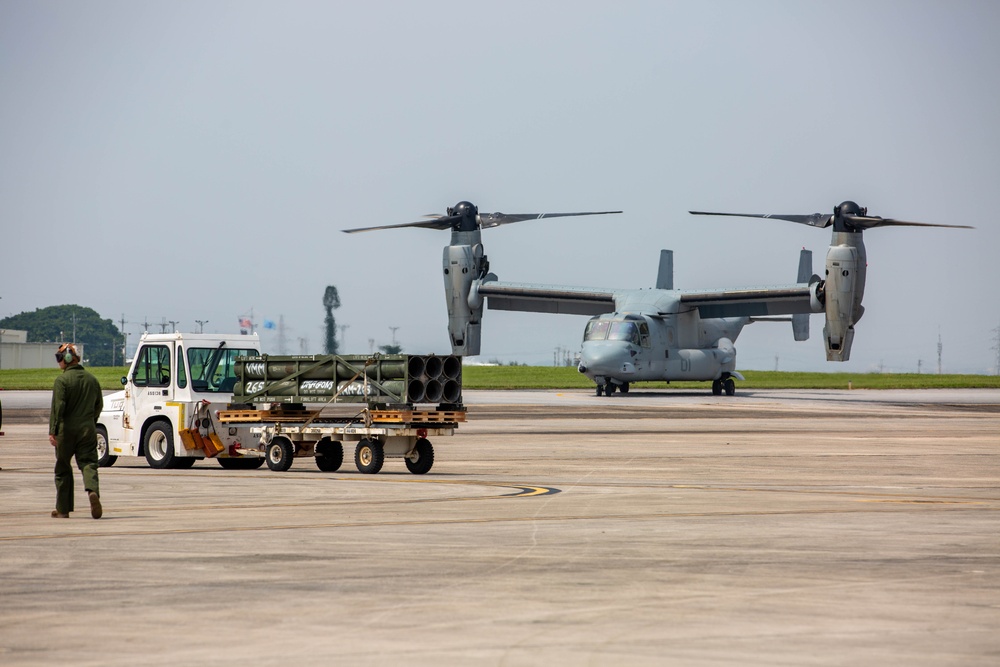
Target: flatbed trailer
x: 282, y: 436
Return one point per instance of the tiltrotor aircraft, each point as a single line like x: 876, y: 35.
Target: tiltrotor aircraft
x: 660, y: 333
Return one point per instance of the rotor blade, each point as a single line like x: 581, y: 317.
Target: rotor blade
x: 441, y: 222
x: 487, y: 220
x: 814, y: 220
x: 874, y: 221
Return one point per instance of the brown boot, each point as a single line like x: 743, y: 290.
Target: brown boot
x: 96, y: 510
x: 56, y: 514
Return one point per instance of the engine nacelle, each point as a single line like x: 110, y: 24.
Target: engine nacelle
x: 846, y: 266
x: 462, y: 264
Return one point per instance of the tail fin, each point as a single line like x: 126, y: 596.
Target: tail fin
x: 665, y: 276
x: 800, y: 322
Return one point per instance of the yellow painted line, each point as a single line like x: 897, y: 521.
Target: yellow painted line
x: 528, y: 491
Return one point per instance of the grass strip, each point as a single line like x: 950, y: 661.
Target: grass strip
x: 562, y: 377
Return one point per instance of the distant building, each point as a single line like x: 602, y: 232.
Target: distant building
x: 17, y: 352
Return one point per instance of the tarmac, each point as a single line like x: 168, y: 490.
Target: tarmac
x: 556, y: 528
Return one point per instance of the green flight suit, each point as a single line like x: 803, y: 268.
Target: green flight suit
x: 76, y: 405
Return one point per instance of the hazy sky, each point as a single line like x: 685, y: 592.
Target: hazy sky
x: 196, y: 160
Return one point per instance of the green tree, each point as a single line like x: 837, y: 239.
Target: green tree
x: 331, y: 301
x: 100, y: 338
x: 391, y: 348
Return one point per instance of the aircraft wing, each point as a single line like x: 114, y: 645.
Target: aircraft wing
x: 558, y: 299
x: 749, y: 301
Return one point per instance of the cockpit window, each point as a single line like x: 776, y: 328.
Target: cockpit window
x: 596, y: 330
x: 624, y: 331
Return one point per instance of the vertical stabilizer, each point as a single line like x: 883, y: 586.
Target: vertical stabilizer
x: 665, y: 276
x: 800, y: 321
x: 805, y: 266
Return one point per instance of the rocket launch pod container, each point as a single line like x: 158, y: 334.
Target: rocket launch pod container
x: 397, y: 379
x: 390, y: 426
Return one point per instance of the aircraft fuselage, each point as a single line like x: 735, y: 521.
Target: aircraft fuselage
x: 672, y: 343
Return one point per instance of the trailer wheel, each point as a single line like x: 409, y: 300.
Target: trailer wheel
x: 279, y: 454
x: 369, y: 456
x: 158, y: 445
x: 329, y: 455
x: 422, y: 457
x: 104, y: 457
x: 183, y: 462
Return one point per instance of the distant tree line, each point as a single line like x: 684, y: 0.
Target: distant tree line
x: 101, y: 339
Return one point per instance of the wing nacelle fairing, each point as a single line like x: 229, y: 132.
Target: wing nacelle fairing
x: 846, y: 268
x: 462, y: 266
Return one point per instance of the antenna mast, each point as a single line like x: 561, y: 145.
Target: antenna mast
x: 939, y: 353
x: 282, y: 340
x: 996, y: 346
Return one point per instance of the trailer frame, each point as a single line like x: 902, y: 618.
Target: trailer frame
x: 378, y: 434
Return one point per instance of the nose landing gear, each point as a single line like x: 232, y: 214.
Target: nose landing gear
x: 726, y: 383
x: 610, y: 387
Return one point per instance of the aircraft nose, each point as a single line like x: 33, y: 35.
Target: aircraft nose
x: 604, y: 358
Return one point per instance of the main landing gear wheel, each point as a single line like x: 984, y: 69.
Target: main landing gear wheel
x: 600, y: 390
x: 280, y: 454
x: 369, y: 456
x: 730, y: 386
x: 422, y: 457
x: 609, y: 389
x: 717, y: 387
x: 623, y: 388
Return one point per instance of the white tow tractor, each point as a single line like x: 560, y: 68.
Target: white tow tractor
x: 166, y: 412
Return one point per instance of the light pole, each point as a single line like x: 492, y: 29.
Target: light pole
x: 201, y: 325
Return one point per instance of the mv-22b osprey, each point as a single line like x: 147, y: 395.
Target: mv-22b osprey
x: 660, y: 333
